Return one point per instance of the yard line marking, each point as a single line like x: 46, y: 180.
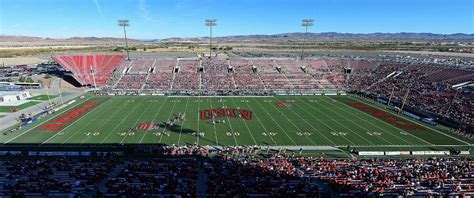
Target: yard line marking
x: 116, y: 126
x: 275, y: 122
x: 388, y: 125
x: 230, y: 125
x: 248, y: 129
x: 102, y: 124
x: 415, y: 122
x: 73, y: 133
x: 236, y: 96
x: 407, y: 146
x: 69, y: 125
x: 261, y: 124
x: 46, y: 120
x: 314, y: 117
x: 301, y: 131
x: 136, y: 121
x: 318, y: 131
x: 182, y: 123
x: 342, y: 124
x: 199, y: 129
x: 164, y: 128
x: 215, y: 132
x: 154, y: 117
x: 360, y: 126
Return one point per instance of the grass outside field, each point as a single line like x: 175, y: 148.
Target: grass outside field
x: 19, y: 107
x: 305, y: 121
x: 42, y: 97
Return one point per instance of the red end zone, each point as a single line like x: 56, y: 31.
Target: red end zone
x: 73, y: 114
x: 387, y: 117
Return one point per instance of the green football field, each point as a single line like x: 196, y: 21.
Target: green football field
x: 279, y: 120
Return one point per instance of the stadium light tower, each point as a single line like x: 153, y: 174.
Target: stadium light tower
x: 210, y: 23
x: 125, y: 23
x: 306, y: 23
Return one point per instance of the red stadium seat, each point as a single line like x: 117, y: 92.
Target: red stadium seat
x: 89, y: 68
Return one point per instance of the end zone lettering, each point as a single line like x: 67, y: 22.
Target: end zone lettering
x: 231, y: 112
x: 387, y: 117
x: 58, y: 123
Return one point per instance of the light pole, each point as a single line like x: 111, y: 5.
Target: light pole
x: 305, y: 23
x: 125, y: 23
x: 210, y: 23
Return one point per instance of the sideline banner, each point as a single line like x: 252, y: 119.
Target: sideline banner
x: 371, y: 153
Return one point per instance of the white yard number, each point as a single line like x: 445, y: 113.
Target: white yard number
x: 127, y: 134
x: 269, y: 133
x: 220, y: 100
x: 92, y: 133
x: 267, y: 100
x: 244, y: 100
x: 304, y: 133
x: 374, y: 133
x: 336, y: 133
x: 161, y: 134
x: 176, y: 101
x: 232, y: 134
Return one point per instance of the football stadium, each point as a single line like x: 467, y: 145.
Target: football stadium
x: 210, y: 102
x: 280, y: 115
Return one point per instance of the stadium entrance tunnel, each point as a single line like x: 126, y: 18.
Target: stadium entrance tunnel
x: 68, y: 77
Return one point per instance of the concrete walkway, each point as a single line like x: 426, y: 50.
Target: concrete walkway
x: 10, y: 119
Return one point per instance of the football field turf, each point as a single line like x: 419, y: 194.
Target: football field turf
x: 278, y: 121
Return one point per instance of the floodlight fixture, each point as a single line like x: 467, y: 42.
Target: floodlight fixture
x: 306, y: 23
x: 125, y: 23
x: 210, y: 23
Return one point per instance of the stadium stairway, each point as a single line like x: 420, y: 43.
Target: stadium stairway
x: 102, y: 185
x: 201, y: 186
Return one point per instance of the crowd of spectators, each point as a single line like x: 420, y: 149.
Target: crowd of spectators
x: 184, y: 171
x: 188, y: 76
x: 236, y: 74
x: 162, y: 75
x: 23, y: 176
x: 244, y: 75
x: 217, y: 75
x: 429, y: 88
x: 131, y: 81
x: 305, y: 176
x: 177, y: 177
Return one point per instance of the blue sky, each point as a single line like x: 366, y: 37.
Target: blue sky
x: 185, y: 18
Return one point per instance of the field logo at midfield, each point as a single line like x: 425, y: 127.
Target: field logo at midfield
x: 58, y: 123
x: 231, y: 112
x: 281, y: 104
x: 147, y: 126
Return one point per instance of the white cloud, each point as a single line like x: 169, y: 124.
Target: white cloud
x: 144, y: 11
x: 99, y: 9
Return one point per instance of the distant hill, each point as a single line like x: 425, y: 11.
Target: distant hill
x: 323, y: 37
x: 8, y: 38
x: 334, y: 36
